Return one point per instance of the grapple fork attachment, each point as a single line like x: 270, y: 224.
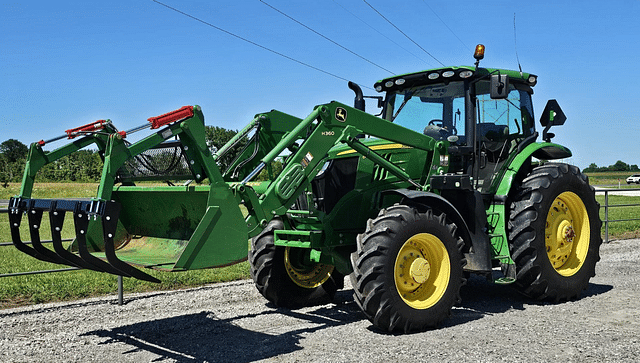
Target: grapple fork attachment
x: 81, y: 223
x: 34, y: 216
x: 56, y: 218
x: 17, y: 207
x: 82, y: 213
x: 109, y: 226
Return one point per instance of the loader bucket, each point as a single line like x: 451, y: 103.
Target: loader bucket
x: 178, y: 227
x: 165, y: 228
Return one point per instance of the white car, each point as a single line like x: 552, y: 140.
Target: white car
x: 635, y: 178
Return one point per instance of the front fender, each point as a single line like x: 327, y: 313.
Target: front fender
x: 477, y: 247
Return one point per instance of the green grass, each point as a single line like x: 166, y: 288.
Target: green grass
x: 611, y: 178
x: 72, y: 285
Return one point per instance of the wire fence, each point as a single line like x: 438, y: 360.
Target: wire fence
x: 607, y: 206
x: 606, y: 222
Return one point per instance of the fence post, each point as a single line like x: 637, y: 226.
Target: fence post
x: 606, y: 216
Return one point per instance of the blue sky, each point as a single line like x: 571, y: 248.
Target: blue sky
x: 64, y: 64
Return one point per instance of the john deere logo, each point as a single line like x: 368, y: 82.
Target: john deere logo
x: 341, y: 114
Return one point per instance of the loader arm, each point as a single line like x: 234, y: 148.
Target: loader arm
x: 328, y: 126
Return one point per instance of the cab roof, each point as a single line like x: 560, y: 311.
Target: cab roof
x: 448, y: 74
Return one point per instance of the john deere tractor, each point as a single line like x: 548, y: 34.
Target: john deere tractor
x: 449, y: 180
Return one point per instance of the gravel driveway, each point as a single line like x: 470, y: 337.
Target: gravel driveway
x: 231, y: 322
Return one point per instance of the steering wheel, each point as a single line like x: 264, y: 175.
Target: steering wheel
x: 440, y: 124
x: 436, y: 122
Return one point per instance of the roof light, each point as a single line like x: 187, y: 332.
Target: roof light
x: 400, y: 81
x: 532, y: 80
x: 379, y: 88
x: 389, y: 84
x: 433, y: 75
x: 479, y: 53
x: 447, y: 74
x: 466, y: 74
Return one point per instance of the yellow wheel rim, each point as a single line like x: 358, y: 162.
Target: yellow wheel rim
x: 422, y: 271
x: 307, y: 276
x: 567, y: 234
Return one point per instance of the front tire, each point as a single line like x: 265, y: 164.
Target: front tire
x: 554, y: 233
x: 284, y: 282
x: 408, y: 269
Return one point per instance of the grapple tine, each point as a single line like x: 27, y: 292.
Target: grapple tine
x: 34, y: 216
x: 81, y: 222
x: 56, y: 218
x: 17, y: 206
x: 109, y: 224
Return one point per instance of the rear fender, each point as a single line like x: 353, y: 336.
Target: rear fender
x: 540, y: 151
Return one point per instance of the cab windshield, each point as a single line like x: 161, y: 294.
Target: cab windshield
x: 438, y: 110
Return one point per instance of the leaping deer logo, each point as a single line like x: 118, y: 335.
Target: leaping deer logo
x: 341, y: 114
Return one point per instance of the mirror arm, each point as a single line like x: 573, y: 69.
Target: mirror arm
x: 547, y: 136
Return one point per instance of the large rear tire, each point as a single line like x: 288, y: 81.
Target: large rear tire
x: 283, y: 281
x: 554, y: 233
x: 408, y: 269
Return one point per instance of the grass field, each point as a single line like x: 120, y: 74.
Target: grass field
x: 617, y: 178
x: 71, y: 285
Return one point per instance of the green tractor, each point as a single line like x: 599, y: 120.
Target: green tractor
x: 449, y: 180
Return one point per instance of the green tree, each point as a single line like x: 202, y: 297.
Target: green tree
x: 12, y: 158
x: 591, y: 168
x: 14, y: 150
x: 620, y: 166
x: 4, y: 176
x: 217, y: 137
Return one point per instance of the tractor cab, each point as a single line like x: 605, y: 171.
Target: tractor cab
x: 484, y: 114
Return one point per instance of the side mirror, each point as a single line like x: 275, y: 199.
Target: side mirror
x: 499, y: 86
x: 551, y: 116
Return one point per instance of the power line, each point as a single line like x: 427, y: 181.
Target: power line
x: 254, y: 43
x: 398, y: 29
x: 379, y: 32
x: 341, y: 46
x: 445, y: 24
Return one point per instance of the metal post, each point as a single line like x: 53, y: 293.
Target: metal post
x: 606, y: 216
x: 120, y: 293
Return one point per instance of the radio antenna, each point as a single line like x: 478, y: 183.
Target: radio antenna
x: 515, y: 43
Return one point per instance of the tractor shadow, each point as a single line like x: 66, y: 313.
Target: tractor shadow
x: 481, y: 298
x: 204, y: 337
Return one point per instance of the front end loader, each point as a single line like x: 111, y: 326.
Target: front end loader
x: 449, y: 180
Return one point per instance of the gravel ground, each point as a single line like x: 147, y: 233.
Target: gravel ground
x: 232, y: 322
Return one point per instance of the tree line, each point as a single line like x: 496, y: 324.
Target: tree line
x: 618, y: 166
x: 84, y: 165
